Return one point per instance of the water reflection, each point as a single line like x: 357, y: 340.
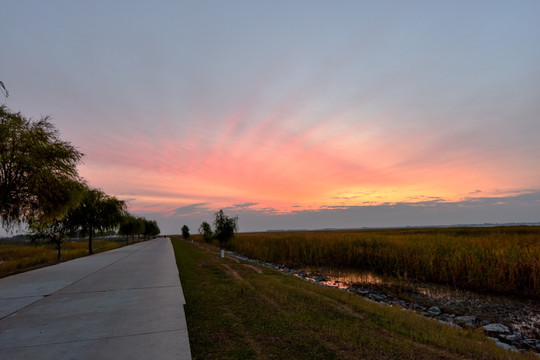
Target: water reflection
x: 345, y: 278
x: 337, y: 283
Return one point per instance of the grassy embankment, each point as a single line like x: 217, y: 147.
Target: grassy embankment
x: 22, y: 257
x: 238, y: 310
x: 494, y: 259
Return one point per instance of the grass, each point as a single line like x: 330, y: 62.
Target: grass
x: 23, y: 257
x: 238, y: 310
x: 494, y: 259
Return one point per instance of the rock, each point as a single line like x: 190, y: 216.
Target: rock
x: 401, y: 302
x: 448, y: 318
x: 503, y: 345
x: 496, y: 329
x: 465, y: 321
x: 531, y: 344
x: 506, y: 346
x: 360, y: 291
x: 513, y: 337
x: 434, y: 311
x: 377, y: 297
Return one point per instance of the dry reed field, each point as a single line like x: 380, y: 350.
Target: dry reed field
x: 504, y: 259
x: 15, y: 258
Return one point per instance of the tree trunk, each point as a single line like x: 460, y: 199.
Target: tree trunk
x: 59, y: 248
x: 90, y: 251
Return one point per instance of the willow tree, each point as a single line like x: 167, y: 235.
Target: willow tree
x: 54, y: 230
x: 96, y: 211
x: 130, y: 225
x: 38, y: 171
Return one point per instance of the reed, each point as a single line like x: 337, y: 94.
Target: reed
x: 494, y: 259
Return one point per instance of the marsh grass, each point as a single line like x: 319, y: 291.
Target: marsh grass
x: 493, y: 259
x: 22, y: 257
x: 238, y: 310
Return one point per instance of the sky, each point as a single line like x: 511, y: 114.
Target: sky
x: 290, y: 114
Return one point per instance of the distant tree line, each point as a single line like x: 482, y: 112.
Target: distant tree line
x: 41, y: 188
x: 137, y: 227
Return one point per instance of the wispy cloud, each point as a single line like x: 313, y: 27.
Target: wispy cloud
x: 244, y: 205
x: 190, y: 210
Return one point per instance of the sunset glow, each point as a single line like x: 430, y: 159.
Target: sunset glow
x: 182, y: 109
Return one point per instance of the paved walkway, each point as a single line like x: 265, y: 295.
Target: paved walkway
x: 126, y: 303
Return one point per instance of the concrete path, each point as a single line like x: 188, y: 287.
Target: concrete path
x: 126, y: 303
